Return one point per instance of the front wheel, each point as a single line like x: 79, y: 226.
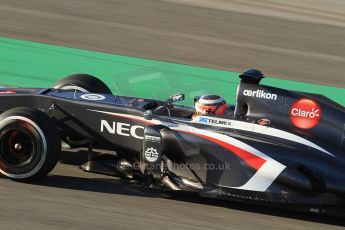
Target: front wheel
x: 83, y: 83
x: 30, y: 144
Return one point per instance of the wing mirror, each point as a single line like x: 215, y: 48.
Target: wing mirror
x: 148, y: 115
x: 176, y: 97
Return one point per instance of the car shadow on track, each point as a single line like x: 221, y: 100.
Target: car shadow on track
x: 111, y: 185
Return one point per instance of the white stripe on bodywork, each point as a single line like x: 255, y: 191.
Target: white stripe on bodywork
x: 266, y: 174
x: 261, y: 180
x: 157, y: 122
x: 255, y: 128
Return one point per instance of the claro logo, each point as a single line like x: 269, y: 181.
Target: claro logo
x: 305, y: 113
x: 260, y: 94
x: 122, y: 129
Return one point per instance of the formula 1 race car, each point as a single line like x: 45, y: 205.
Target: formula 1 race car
x: 274, y: 147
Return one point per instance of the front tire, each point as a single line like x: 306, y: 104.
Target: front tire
x: 30, y: 144
x: 83, y: 83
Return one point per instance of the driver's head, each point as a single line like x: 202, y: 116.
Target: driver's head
x: 210, y: 104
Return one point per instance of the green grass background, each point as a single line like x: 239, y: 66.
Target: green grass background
x: 30, y: 64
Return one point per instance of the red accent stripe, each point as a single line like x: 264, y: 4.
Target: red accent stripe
x: 8, y: 92
x: 135, y: 119
x: 251, y: 159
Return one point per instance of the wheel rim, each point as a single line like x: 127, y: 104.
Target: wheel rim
x: 18, y: 146
x: 74, y: 88
x: 39, y: 156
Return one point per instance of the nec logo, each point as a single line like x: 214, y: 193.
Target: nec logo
x: 260, y: 94
x: 122, y: 129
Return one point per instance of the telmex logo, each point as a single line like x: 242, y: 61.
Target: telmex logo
x: 220, y: 122
x: 305, y: 113
x: 203, y: 120
x: 122, y: 129
x: 260, y: 94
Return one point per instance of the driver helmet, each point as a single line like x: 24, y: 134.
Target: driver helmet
x: 210, y: 104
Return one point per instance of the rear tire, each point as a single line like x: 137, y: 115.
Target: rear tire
x: 30, y: 144
x: 83, y: 83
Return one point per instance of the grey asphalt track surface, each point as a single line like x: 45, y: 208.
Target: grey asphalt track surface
x: 299, y: 40
x: 72, y: 199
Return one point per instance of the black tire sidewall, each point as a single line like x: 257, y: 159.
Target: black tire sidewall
x: 40, y: 141
x: 45, y: 160
x: 88, y: 82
